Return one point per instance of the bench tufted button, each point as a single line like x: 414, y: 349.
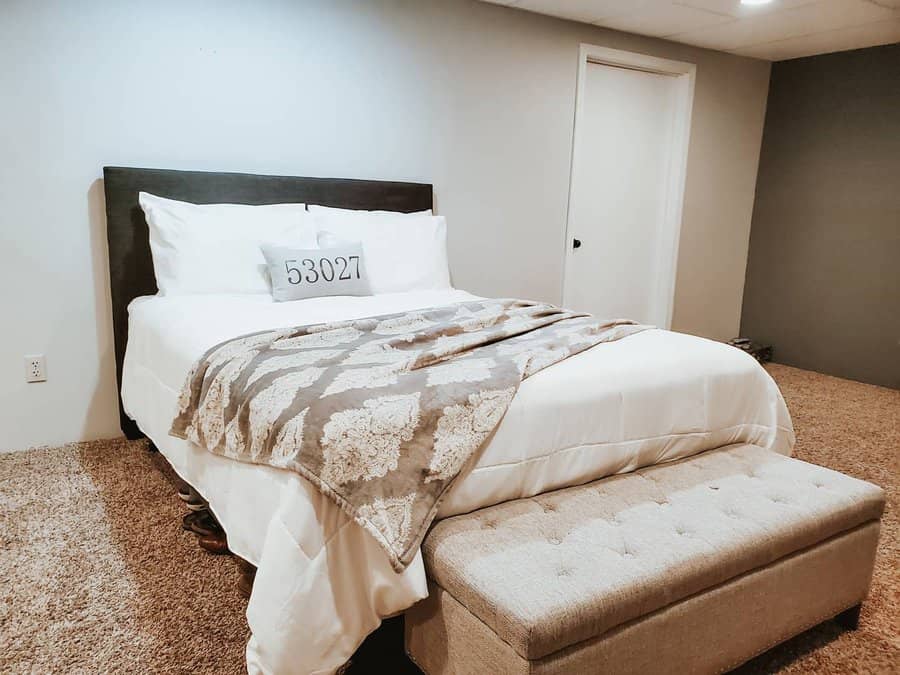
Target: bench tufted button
x: 563, y: 572
x: 713, y: 487
x: 490, y: 525
x: 556, y: 541
x: 548, y: 508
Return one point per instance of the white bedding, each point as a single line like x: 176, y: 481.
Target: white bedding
x: 322, y: 582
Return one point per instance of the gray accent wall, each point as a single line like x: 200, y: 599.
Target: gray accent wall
x: 823, y: 274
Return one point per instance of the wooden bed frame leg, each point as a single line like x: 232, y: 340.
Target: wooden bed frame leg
x: 849, y: 618
x: 246, y: 578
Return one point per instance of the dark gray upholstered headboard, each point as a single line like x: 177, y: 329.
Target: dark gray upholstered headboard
x: 130, y: 265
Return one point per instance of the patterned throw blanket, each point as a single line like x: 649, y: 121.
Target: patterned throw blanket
x: 381, y: 414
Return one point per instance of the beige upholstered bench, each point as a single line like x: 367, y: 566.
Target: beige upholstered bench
x: 694, y: 566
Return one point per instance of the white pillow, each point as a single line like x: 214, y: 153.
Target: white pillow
x: 404, y: 251
x: 215, y: 248
x: 326, y: 239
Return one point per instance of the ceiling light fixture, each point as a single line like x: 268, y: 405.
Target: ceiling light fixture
x: 755, y: 2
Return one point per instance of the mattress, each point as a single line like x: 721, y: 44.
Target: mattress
x: 649, y: 398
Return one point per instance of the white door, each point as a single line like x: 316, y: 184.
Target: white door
x: 622, y: 234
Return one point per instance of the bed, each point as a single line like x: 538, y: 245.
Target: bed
x: 652, y: 397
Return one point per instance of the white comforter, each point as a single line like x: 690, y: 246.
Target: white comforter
x: 322, y: 583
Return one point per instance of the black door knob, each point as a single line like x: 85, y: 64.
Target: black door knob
x: 576, y: 243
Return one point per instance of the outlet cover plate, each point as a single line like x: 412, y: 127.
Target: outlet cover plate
x: 35, y: 368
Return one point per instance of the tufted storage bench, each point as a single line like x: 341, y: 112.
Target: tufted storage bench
x: 694, y: 566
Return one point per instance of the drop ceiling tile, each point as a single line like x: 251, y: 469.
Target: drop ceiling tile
x: 719, y: 36
x: 738, y: 10
x: 777, y: 30
x: 665, y: 19
x: 589, y: 11
x: 856, y: 37
x: 789, y: 23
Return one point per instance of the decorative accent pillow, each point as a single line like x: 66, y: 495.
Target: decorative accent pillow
x: 404, y: 251
x: 298, y: 274
x: 215, y: 248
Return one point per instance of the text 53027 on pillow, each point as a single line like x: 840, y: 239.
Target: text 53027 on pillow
x: 297, y: 274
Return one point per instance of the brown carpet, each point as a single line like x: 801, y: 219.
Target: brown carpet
x: 96, y: 574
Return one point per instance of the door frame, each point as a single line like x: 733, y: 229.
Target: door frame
x: 685, y: 74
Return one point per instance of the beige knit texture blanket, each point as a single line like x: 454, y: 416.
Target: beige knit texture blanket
x: 380, y: 414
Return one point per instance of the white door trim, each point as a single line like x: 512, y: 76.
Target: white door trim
x: 685, y: 74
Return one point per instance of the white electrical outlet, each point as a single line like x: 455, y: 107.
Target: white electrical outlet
x: 35, y: 368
